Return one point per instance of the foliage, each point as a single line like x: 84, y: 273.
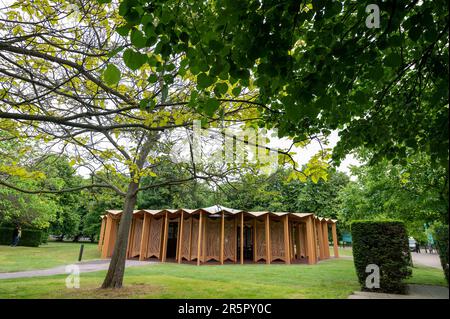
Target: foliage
x: 316, y: 64
x: 442, y: 239
x: 6, y: 235
x: 416, y: 193
x: 385, y: 244
x: 30, y: 237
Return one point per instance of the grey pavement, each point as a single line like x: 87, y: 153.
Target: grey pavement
x: 414, y: 292
x: 87, y: 266
x: 424, y: 259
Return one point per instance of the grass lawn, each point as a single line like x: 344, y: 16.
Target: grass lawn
x: 333, y: 278
x: 46, y: 256
x: 347, y: 251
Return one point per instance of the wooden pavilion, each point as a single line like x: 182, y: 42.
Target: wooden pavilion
x: 223, y: 235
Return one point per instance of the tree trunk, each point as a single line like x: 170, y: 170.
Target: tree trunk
x: 116, y: 270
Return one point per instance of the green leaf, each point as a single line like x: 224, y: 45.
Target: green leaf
x: 204, y: 81
x: 134, y: 60
x: 152, y: 78
x: 123, y: 30
x: 111, y: 75
x: 393, y: 60
x: 137, y: 39
x: 220, y: 89
x: 236, y: 91
x: 104, y: 1
x: 210, y: 106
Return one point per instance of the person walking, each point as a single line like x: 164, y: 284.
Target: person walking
x: 16, y: 236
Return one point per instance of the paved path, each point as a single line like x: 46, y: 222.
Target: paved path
x: 87, y: 266
x: 424, y: 259
x: 414, y: 292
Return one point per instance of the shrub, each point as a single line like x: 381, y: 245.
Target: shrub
x: 6, y: 235
x: 441, y: 234
x: 30, y: 237
x: 385, y: 244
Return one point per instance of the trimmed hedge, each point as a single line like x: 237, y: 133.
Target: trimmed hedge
x: 30, y: 237
x: 441, y: 234
x: 6, y: 235
x: 385, y: 244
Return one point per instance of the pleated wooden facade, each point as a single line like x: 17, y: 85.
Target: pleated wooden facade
x: 222, y: 235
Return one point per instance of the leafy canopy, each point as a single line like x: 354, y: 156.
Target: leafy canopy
x: 315, y: 64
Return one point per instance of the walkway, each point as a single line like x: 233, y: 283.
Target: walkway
x: 414, y: 292
x: 424, y: 259
x: 87, y: 266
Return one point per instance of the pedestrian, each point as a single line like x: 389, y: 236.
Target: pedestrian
x: 417, y: 247
x: 16, y: 236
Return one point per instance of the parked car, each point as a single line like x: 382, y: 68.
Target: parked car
x: 412, y: 244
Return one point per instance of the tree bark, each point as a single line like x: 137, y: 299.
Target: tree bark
x: 116, y: 270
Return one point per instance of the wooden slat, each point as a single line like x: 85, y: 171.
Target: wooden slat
x: 199, y: 238
x: 166, y: 230
x: 222, y: 237
x: 286, y: 240
x: 144, y: 237
x: 242, y: 240
x: 268, y: 246
x: 335, y: 241
x: 102, y: 234
x: 180, y: 239
x: 107, y: 239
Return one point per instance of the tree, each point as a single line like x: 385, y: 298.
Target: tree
x: 73, y: 86
x: 317, y: 65
x: 416, y: 193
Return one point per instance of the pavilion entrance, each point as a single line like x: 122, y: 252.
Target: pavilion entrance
x: 172, y: 235
x: 248, y: 242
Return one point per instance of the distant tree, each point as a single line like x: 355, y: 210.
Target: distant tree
x: 416, y: 193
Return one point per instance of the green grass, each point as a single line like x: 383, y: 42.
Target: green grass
x: 333, y: 278
x: 347, y: 251
x: 46, y: 256
x: 427, y: 276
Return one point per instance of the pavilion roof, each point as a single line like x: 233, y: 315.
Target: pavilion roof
x: 218, y: 209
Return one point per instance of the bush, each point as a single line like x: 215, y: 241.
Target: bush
x: 30, y: 237
x: 385, y: 244
x: 441, y: 235
x: 6, y: 235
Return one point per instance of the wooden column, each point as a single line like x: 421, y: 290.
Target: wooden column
x: 287, y: 252
x: 190, y: 238
x: 320, y: 237
x: 311, y: 245
x: 254, y: 241
x: 241, y: 242
x: 107, y: 239
x: 166, y: 231
x: 235, y: 237
x: 130, y: 237
x: 199, y: 238
x: 335, y: 241
x: 268, y: 248
x: 222, y: 237
x: 204, y: 241
x: 102, y: 234
x: 180, y: 239
x: 326, y: 243
x: 144, y: 237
